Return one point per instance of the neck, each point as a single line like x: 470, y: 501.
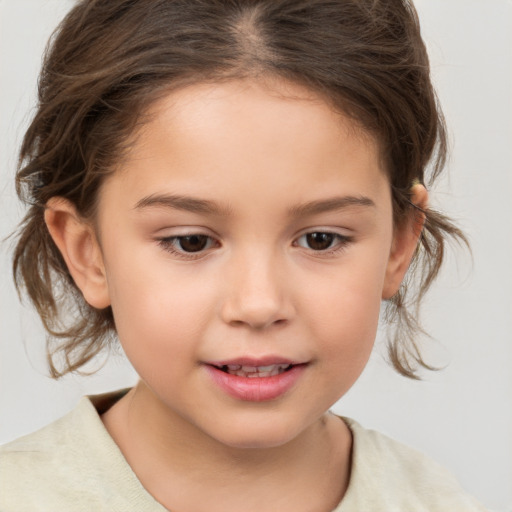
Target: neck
x: 182, y: 467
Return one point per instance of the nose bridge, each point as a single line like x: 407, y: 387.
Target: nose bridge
x: 256, y: 294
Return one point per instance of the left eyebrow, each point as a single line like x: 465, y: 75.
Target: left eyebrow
x: 329, y: 205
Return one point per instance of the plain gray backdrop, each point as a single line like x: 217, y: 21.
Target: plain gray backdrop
x: 461, y: 416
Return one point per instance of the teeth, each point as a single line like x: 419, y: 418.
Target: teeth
x: 252, y: 372
x: 268, y: 368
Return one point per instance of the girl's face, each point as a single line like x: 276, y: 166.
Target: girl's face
x: 246, y: 245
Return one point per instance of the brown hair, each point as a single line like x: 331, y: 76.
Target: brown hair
x: 110, y: 59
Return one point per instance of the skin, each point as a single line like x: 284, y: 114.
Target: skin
x: 261, y: 152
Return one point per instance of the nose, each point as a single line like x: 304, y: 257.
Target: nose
x: 256, y: 293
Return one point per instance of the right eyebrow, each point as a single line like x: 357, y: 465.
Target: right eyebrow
x: 186, y: 203
x: 330, y: 204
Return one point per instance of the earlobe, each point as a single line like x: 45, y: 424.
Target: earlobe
x: 405, y: 241
x: 77, y: 242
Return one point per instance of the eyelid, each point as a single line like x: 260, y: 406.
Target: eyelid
x: 343, y: 241
x: 167, y: 243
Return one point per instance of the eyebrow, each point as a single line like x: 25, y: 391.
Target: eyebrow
x: 329, y: 205
x: 208, y: 207
x: 186, y: 203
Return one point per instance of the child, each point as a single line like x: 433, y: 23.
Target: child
x: 230, y: 188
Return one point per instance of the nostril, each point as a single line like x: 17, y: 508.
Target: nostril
x: 256, y: 307
x: 258, y: 325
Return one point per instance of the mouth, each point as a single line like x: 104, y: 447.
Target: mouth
x: 254, y: 372
x: 256, y: 380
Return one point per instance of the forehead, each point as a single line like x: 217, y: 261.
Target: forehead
x: 249, y: 135
x: 271, y: 102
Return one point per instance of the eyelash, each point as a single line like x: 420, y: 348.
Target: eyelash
x: 341, y: 245
x: 170, y: 243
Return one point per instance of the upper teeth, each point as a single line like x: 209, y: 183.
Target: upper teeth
x: 255, y: 371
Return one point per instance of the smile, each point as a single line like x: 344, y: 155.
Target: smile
x: 256, y: 380
x: 252, y: 372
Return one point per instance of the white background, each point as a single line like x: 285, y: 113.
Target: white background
x: 461, y: 416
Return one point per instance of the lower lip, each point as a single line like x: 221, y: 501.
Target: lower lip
x: 256, y: 389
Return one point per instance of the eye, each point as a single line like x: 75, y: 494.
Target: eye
x: 321, y: 241
x: 187, y: 244
x: 192, y: 243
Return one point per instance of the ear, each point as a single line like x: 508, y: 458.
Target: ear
x: 405, y: 241
x: 77, y: 242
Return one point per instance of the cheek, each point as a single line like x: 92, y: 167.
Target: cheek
x: 158, y: 330
x: 158, y: 313
x: 347, y: 314
x: 350, y: 322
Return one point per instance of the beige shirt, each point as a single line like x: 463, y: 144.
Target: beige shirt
x: 73, y: 465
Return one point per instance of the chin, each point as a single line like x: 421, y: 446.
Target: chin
x: 255, y: 442
x: 258, y: 433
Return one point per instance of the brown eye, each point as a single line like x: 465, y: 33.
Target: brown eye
x: 192, y: 243
x: 320, y: 241
x: 193, y: 246
x: 323, y: 241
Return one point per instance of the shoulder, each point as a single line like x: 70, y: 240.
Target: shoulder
x: 45, y: 468
x: 71, y: 465
x: 388, y: 475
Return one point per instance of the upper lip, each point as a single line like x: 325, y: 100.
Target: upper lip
x: 254, y: 361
